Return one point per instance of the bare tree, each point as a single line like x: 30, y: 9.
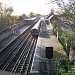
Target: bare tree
x: 57, y: 5
x: 67, y: 19
x: 8, y: 10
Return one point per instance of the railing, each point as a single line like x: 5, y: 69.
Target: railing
x: 49, y: 67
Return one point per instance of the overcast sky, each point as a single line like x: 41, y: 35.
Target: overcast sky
x: 27, y: 6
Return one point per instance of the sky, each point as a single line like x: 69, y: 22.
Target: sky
x: 27, y: 6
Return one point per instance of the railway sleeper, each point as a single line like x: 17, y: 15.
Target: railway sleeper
x: 13, y: 54
x: 19, y: 60
x: 24, y: 61
x: 27, y: 63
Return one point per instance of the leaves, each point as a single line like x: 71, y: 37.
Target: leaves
x: 31, y: 14
x: 65, y: 68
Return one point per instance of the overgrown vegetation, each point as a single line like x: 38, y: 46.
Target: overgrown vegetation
x: 66, y: 67
x: 64, y: 24
x: 5, y: 16
x: 64, y: 28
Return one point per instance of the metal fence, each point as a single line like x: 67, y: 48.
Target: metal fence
x: 49, y: 67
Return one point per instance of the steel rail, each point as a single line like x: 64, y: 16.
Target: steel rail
x: 23, y: 54
x: 20, y: 50
x: 20, y: 67
x: 31, y: 58
x: 18, y: 36
x: 27, y: 64
x: 8, y: 53
x: 14, y: 53
x: 8, y: 50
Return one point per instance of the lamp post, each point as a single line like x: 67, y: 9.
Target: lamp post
x: 57, y: 32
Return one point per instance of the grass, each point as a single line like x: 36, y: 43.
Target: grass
x: 59, y: 52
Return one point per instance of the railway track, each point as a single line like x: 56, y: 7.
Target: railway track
x: 17, y: 56
x: 7, y: 37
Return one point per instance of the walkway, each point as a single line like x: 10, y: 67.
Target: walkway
x: 46, y: 39
x: 8, y: 37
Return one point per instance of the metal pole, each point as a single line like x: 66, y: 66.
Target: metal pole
x: 57, y: 32
x: 48, y: 73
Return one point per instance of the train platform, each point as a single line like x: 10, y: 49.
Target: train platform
x: 46, y: 39
x: 13, y: 37
x: 10, y: 36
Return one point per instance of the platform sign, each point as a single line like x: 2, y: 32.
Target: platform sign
x: 49, y: 52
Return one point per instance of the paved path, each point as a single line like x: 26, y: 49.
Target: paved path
x: 57, y: 47
x: 8, y: 37
x: 46, y: 39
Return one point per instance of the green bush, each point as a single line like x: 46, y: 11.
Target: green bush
x: 66, y: 67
